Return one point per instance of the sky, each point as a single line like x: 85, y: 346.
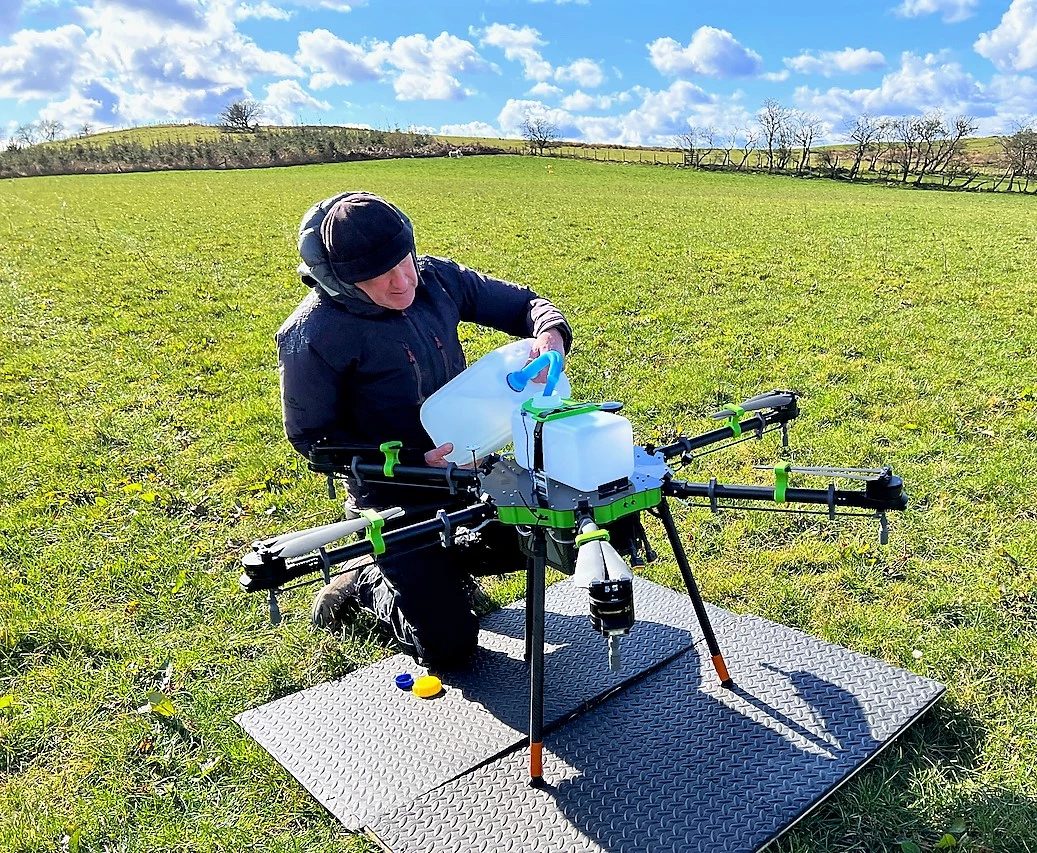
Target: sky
x: 635, y: 72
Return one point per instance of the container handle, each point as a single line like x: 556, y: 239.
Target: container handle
x: 552, y: 360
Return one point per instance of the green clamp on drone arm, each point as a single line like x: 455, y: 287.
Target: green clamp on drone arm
x: 374, y: 531
x: 391, y: 449
x: 590, y: 536
x: 736, y: 413
x: 781, y: 481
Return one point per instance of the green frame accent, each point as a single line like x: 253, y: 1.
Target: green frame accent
x: 591, y: 536
x: 391, y: 449
x: 570, y: 408
x: 781, y: 481
x: 374, y: 531
x: 565, y: 519
x: 736, y: 413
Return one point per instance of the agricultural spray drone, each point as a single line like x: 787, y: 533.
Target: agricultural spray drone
x: 575, y: 530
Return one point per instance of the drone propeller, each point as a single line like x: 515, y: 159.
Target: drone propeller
x: 771, y: 400
x: 863, y: 475
x: 303, y: 541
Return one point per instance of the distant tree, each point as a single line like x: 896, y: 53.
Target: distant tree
x: 707, y: 136
x: 50, y: 129
x: 773, y: 119
x: 85, y: 129
x: 865, y: 132
x: 748, y: 146
x: 686, y: 142
x: 805, y: 131
x: 25, y: 135
x: 539, y: 133
x: 241, y: 117
x: 1019, y: 156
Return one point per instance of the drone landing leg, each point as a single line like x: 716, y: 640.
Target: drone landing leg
x: 693, y: 592
x: 529, y: 622
x: 535, y: 634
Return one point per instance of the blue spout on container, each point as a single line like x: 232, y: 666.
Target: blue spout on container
x: 518, y: 379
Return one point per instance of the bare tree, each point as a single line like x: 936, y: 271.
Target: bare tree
x: 749, y: 146
x: 707, y: 136
x: 686, y: 142
x: 1019, y: 156
x: 732, y: 141
x: 906, y: 135
x: 539, y: 133
x: 85, y: 129
x: 830, y: 158
x: 25, y: 135
x: 805, y: 130
x: 50, y: 129
x: 241, y: 117
x: 773, y: 119
x: 865, y: 132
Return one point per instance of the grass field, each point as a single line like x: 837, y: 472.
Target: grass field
x: 141, y: 450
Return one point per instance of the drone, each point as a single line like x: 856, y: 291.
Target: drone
x: 584, y: 533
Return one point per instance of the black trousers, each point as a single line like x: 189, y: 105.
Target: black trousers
x: 423, y: 596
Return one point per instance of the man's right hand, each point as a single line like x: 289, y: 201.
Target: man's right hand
x: 436, y: 458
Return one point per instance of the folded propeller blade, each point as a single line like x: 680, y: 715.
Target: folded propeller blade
x: 303, y: 541
x: 770, y: 400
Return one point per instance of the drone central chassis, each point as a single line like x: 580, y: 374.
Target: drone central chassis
x: 560, y: 526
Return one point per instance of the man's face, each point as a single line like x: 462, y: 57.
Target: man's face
x: 395, y: 288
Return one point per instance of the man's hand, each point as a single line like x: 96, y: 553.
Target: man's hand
x: 549, y: 340
x: 436, y: 458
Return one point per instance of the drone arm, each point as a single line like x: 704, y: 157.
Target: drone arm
x: 758, y: 422
x: 264, y: 571
x: 879, y: 495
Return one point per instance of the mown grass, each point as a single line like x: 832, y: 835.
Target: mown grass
x: 141, y: 449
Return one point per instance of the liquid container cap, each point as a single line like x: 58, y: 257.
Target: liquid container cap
x: 428, y: 686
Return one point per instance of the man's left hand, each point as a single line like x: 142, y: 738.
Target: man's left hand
x: 549, y: 340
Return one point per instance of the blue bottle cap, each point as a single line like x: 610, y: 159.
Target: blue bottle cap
x: 405, y: 681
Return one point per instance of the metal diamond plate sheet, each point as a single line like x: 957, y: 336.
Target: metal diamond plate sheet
x: 676, y: 763
x: 362, y: 746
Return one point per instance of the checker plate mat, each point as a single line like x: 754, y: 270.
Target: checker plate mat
x: 361, y: 746
x: 676, y: 763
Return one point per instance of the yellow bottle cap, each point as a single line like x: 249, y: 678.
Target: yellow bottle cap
x: 428, y: 686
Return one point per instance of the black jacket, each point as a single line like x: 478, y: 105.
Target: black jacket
x: 360, y: 377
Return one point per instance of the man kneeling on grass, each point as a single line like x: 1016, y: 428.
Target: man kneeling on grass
x: 376, y: 335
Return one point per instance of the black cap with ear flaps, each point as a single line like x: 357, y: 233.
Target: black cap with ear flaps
x: 365, y: 236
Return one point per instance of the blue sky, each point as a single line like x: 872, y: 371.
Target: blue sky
x: 599, y: 70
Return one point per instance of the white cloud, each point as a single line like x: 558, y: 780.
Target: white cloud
x: 932, y: 83
x: 580, y: 101
x: 285, y: 99
x: 185, y: 13
x: 264, y: 9
x: 711, y: 52
x: 1012, y: 45
x: 40, y: 64
x: 337, y: 62
x: 584, y: 72
x: 425, y: 69
x: 472, y: 128
x: 952, y: 10
x: 428, y: 68
x: 829, y: 63
x: 563, y: 2
x: 656, y: 120
x: 544, y: 90
x: 520, y: 44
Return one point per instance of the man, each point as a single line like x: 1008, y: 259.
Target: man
x: 372, y: 340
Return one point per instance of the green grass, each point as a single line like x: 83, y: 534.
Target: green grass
x: 141, y: 450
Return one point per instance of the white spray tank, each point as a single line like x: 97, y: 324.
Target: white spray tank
x: 473, y: 410
x: 580, y: 445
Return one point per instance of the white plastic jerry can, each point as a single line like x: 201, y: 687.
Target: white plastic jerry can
x: 473, y: 410
x: 582, y: 446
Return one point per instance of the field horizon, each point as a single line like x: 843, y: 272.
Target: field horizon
x: 141, y: 451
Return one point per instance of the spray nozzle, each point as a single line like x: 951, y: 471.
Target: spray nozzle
x: 518, y: 379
